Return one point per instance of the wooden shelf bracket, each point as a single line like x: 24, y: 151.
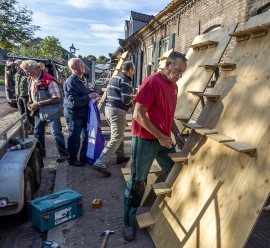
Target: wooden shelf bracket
x: 204, y: 45
x: 241, y: 147
x: 209, y: 68
x: 145, y: 220
x: 210, y: 97
x: 162, y: 189
x: 226, y: 66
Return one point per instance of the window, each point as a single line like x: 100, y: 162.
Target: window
x: 149, y: 55
x: 164, y: 45
x: 149, y: 60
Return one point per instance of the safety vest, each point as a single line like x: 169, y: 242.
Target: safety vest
x: 41, y: 93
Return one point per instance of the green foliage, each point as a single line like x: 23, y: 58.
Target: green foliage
x: 2, y: 80
x: 15, y: 24
x: 101, y: 59
x: 26, y: 51
x: 50, y: 48
x: 91, y: 57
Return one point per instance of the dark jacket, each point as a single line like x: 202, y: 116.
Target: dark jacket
x: 21, y: 84
x: 119, y: 91
x: 76, y: 97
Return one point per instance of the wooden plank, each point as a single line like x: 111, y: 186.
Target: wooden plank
x: 145, y: 220
x: 226, y: 66
x: 117, y: 70
x: 183, y: 119
x: 193, y: 125
x: 204, y: 45
x: 195, y: 92
x: 151, y: 179
x: 178, y: 157
x: 161, y: 188
x: 240, y: 147
x: 153, y: 169
x: 221, y: 138
x: 205, y: 131
x: 217, y: 198
x: 208, y: 68
x: 195, y: 77
x: 126, y: 177
x: 210, y: 97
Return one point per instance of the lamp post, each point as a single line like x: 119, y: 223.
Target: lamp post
x: 72, y: 49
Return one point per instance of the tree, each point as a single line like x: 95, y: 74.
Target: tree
x: 26, y: 51
x: 15, y: 24
x: 91, y: 57
x: 101, y: 59
x: 50, y: 48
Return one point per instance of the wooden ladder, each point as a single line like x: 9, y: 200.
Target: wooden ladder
x: 116, y: 71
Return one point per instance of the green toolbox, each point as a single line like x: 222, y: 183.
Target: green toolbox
x: 49, y: 211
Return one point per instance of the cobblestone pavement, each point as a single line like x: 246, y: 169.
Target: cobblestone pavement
x: 16, y: 231
x: 85, y: 231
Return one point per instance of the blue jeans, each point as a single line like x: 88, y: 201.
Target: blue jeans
x: 56, y: 131
x: 77, y: 126
x: 143, y: 154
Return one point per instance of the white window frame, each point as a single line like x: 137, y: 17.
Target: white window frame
x: 149, y: 55
x: 164, y: 46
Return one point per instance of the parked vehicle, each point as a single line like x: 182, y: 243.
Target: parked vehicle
x: 102, y: 81
x: 20, y: 168
x: 54, y: 68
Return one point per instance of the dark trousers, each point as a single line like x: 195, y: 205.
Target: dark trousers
x: 143, y: 154
x: 22, y: 106
x: 77, y: 127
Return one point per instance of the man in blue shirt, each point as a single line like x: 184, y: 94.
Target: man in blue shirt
x: 118, y: 101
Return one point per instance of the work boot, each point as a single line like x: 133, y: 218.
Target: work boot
x: 76, y: 163
x: 122, y: 159
x: 61, y: 158
x: 101, y: 170
x: 129, y: 232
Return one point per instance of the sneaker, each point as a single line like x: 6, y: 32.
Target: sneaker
x: 76, y: 163
x: 122, y: 159
x: 129, y: 232
x: 102, y: 170
x: 61, y: 158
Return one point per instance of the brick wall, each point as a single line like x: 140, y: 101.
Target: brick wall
x: 193, y: 17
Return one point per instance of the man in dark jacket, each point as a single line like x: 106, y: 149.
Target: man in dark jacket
x: 118, y: 101
x: 77, y: 96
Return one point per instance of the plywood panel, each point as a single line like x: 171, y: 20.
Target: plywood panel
x: 216, y: 198
x: 196, y: 78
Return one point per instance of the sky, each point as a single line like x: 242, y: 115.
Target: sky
x: 93, y: 26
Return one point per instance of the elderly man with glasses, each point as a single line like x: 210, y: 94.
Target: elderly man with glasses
x: 153, y: 122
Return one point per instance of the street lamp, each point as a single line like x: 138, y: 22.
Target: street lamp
x: 72, y: 49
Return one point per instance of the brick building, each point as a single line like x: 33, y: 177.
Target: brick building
x: 177, y: 25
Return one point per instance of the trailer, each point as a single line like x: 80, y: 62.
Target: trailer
x: 20, y: 170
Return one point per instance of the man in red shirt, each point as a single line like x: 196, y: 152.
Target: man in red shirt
x: 153, y: 122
